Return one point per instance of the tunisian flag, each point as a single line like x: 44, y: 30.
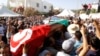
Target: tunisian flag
x: 32, y: 37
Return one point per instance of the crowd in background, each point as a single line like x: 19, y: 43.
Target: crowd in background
x: 79, y: 38
x: 10, y: 26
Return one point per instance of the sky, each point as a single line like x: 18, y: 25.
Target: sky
x: 65, y: 4
x: 70, y: 4
x: 3, y: 2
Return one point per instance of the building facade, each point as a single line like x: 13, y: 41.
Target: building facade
x: 39, y: 5
x: 95, y: 6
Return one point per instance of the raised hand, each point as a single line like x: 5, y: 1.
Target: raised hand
x: 83, y: 29
x: 95, y: 23
x: 97, y: 28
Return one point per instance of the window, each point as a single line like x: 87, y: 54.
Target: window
x: 37, y: 4
x: 45, y: 7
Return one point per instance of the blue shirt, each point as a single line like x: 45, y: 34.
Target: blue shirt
x: 76, y: 45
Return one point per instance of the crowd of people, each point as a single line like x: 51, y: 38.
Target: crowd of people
x: 10, y: 26
x: 76, y: 38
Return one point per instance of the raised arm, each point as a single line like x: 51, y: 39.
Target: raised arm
x: 85, y: 42
x: 96, y: 25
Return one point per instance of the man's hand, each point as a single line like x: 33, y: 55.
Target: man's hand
x: 83, y: 29
x: 95, y: 23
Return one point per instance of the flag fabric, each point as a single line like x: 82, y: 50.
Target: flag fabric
x: 64, y: 22
x: 33, y: 37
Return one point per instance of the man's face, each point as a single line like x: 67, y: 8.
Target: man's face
x: 19, y: 22
x: 75, y: 21
x: 48, y: 54
x: 6, y: 51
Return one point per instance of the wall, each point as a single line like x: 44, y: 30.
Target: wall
x: 31, y: 3
x: 48, y: 6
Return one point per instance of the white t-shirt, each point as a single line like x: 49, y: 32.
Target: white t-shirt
x: 24, y: 54
x: 61, y: 53
x: 1, y: 54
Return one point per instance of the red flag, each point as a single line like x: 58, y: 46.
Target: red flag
x: 33, y: 37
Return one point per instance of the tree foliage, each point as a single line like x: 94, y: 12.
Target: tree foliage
x: 30, y: 12
x: 93, y: 10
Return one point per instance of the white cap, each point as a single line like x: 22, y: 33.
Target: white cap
x: 68, y: 45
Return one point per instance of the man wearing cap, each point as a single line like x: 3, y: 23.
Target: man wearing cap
x: 67, y: 47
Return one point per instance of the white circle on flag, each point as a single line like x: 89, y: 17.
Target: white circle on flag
x: 21, y: 38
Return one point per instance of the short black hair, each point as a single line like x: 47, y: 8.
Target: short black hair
x: 78, y: 35
x: 95, y: 42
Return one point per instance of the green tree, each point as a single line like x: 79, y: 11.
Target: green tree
x: 93, y: 11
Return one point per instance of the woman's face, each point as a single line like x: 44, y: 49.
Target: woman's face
x: 19, y: 22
